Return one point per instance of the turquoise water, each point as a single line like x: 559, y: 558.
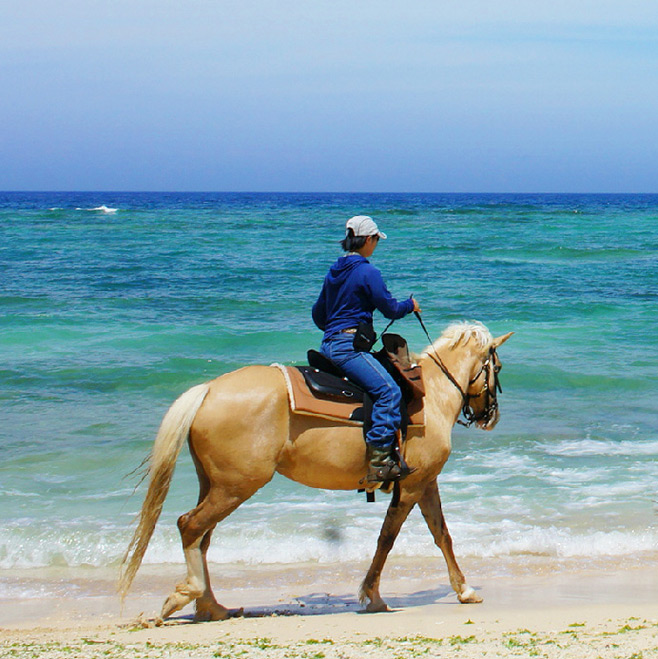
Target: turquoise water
x: 113, y: 304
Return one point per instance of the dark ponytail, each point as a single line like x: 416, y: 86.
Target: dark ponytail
x: 352, y: 243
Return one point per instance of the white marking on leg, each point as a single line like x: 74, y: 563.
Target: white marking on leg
x: 195, y: 574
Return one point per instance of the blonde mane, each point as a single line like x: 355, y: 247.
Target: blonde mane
x: 461, y: 333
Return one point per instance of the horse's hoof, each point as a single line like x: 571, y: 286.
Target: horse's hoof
x: 158, y: 622
x: 211, y: 613
x: 469, y: 596
x: 377, y: 607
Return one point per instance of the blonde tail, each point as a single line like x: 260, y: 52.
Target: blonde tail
x: 174, y: 430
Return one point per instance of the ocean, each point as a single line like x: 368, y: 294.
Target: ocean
x: 112, y: 304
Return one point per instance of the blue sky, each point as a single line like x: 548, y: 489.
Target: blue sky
x: 468, y: 96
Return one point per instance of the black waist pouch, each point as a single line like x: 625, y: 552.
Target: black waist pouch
x: 364, y: 338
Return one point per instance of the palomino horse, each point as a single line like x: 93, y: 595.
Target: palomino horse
x: 241, y: 431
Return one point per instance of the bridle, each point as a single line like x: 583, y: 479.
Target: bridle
x: 489, y: 365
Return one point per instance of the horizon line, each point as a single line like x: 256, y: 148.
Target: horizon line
x: 309, y: 192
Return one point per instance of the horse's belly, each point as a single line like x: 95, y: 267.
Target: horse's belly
x: 329, y: 457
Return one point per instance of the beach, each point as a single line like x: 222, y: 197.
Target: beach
x: 312, y: 612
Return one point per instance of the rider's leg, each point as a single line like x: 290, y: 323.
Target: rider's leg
x: 364, y: 369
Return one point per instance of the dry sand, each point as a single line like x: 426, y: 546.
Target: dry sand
x: 543, y: 610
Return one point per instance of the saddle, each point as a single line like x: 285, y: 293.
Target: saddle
x: 320, y: 389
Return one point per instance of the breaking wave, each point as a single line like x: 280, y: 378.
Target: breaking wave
x: 328, y: 543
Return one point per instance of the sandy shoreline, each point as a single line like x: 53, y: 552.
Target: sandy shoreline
x: 312, y: 611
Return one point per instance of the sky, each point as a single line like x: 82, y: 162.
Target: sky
x: 315, y: 95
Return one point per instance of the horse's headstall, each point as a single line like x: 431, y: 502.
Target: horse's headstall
x: 490, y: 364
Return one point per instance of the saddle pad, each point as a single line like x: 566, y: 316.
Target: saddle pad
x: 302, y: 401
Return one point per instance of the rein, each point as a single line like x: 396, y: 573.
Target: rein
x: 491, y: 403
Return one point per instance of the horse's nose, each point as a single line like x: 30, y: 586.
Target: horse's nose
x: 489, y: 424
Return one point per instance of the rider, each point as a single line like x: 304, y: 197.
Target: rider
x: 352, y: 290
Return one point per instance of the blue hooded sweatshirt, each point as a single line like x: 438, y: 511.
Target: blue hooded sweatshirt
x: 352, y: 290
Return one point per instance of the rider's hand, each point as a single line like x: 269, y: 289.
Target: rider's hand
x: 417, y: 308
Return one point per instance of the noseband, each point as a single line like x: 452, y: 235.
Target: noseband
x: 490, y: 394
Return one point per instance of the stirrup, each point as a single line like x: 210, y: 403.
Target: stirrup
x: 383, y: 466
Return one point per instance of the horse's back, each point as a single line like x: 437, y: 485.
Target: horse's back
x: 242, y: 424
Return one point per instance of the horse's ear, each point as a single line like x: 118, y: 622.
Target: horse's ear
x: 496, y: 343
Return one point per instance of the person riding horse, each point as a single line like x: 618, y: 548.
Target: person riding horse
x: 352, y: 289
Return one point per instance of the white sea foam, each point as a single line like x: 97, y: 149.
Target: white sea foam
x: 562, y: 543
x: 332, y: 541
x: 618, y: 490
x: 99, y: 209
x: 598, y: 447
x: 12, y: 591
x: 105, y: 496
x: 462, y: 478
x: 571, y: 475
x: 508, y: 461
x: 18, y: 493
x: 19, y: 589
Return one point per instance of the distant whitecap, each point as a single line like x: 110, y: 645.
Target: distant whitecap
x: 99, y: 209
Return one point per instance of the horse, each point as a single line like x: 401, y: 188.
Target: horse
x: 241, y: 431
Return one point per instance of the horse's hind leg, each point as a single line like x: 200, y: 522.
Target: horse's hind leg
x: 430, y: 506
x: 235, y: 439
x: 207, y: 607
x: 395, y: 517
x: 195, y: 528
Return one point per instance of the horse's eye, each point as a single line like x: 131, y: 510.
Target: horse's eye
x: 497, y: 368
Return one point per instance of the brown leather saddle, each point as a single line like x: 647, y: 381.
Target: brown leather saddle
x: 320, y: 389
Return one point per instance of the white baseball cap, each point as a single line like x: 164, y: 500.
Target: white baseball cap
x: 363, y: 225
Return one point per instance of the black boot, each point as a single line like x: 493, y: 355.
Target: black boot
x: 383, y: 465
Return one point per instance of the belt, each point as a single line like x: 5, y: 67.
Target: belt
x: 351, y: 330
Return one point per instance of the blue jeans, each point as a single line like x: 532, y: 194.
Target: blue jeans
x: 368, y: 373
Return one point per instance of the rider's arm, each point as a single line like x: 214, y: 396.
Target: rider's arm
x: 382, y: 299
x: 319, y: 311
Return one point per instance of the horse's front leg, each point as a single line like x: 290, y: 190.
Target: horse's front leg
x: 430, y: 506
x: 392, y: 523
